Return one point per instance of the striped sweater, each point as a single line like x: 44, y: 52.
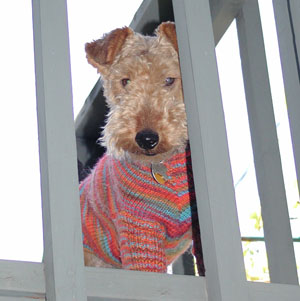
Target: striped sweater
x: 131, y: 221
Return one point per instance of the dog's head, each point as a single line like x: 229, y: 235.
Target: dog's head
x: 142, y: 84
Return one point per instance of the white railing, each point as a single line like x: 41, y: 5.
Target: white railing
x: 62, y: 276
x: 277, y: 229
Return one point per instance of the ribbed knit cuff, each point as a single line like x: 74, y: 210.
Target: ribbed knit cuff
x: 141, y: 244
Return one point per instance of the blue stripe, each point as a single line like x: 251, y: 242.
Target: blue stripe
x: 179, y: 165
x: 183, y: 192
x: 106, y: 244
x: 82, y: 189
x: 160, y: 211
x: 84, y: 209
x: 186, y: 214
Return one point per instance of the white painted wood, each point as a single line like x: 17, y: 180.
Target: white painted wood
x: 63, y: 254
x: 147, y: 12
x: 22, y: 279
x: 132, y: 285
x: 212, y: 172
x: 289, y: 61
x: 7, y: 298
x: 223, y: 13
x: 267, y: 160
x: 273, y: 292
x: 295, y: 19
x: 27, y: 279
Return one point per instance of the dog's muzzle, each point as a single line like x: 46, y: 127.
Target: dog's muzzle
x: 147, y: 139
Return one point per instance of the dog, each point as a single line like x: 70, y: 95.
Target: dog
x: 138, y: 203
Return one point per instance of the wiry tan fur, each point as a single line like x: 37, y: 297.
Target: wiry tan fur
x: 146, y: 102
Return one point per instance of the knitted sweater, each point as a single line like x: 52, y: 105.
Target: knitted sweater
x: 131, y: 221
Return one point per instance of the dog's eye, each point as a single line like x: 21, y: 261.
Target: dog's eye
x: 169, y: 81
x: 125, y: 82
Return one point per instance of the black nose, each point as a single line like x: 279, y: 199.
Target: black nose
x: 147, y: 139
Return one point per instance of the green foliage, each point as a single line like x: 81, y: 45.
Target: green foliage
x: 255, y: 260
x: 258, y: 220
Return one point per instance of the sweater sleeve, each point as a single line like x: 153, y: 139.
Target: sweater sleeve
x: 141, y: 244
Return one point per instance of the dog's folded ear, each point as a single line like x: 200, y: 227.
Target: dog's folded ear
x: 168, y: 30
x: 101, y: 53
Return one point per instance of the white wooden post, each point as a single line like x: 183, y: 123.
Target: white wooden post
x: 287, y: 18
x: 267, y: 160
x: 63, y: 254
x: 220, y: 234
x: 222, y: 14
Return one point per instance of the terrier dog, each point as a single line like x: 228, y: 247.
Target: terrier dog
x: 138, y: 203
